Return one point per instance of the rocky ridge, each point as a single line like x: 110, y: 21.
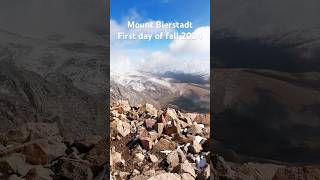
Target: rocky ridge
x: 147, y: 143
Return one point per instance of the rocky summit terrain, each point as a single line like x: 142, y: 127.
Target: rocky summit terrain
x: 37, y: 151
x: 148, y: 143
x: 222, y: 170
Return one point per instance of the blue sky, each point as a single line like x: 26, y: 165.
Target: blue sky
x: 197, y: 11
x: 171, y: 55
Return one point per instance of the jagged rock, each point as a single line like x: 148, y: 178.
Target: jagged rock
x: 195, y: 148
x: 187, y: 176
x: 163, y: 120
x: 35, y: 154
x: 182, y: 139
x: 122, y: 106
x: 14, y: 163
x: 124, y: 175
x: 153, y: 158
x: 151, y: 172
x: 153, y: 135
x: 164, y: 144
x: 181, y: 155
x: 191, y: 158
x: 148, y: 108
x: 203, y: 119
x: 172, y: 128
x: 85, y: 145
x: 182, y: 124
x: 39, y: 173
x: 171, y: 176
x: 195, y: 129
x: 171, y: 115
x: 74, y: 169
x: 159, y: 127
x: 185, y: 118
x: 186, y: 167
x: 206, y: 132
x: 123, y: 128
x: 145, y: 139
x: 54, y: 147
x: 115, y: 158
x: 150, y: 123
x: 139, y: 156
x: 173, y: 159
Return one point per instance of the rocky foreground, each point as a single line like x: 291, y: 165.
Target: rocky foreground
x: 223, y: 170
x: 37, y: 151
x: 147, y: 143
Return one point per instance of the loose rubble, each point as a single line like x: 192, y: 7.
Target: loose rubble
x: 37, y: 151
x: 147, y: 143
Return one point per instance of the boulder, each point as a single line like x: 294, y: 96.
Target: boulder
x: 39, y: 173
x: 163, y: 144
x: 172, y: 128
x: 195, y: 148
x: 186, y: 167
x: 14, y: 163
x: 123, y: 128
x: 35, y: 154
x: 150, y: 123
x: 148, y: 108
x: 159, y: 127
x: 139, y: 157
x: 85, y: 145
x: 54, y: 147
x: 181, y: 155
x: 173, y: 159
x: 171, y: 115
x: 74, y: 169
x: 153, y: 158
x: 203, y: 119
x: 145, y: 139
x: 115, y: 158
x: 164, y: 176
x: 195, y: 129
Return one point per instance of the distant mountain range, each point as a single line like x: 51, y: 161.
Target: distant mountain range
x: 188, y: 92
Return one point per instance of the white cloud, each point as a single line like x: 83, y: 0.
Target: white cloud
x: 188, y: 56
x: 199, y: 45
